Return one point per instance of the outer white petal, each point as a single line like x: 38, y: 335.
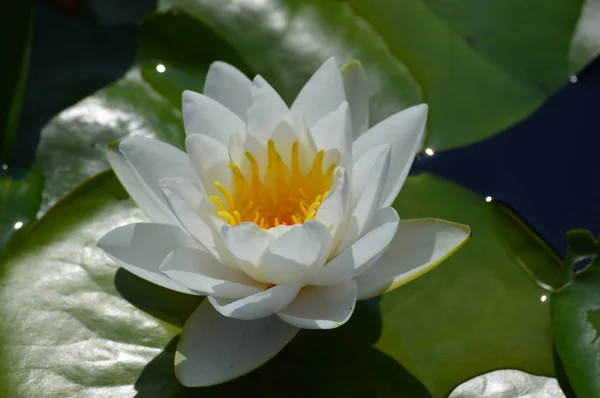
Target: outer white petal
x: 404, y: 131
x: 214, y: 349
x: 418, y: 246
x: 297, y: 256
x: 322, y: 94
x: 141, y: 248
x: 202, y: 273
x: 226, y: 84
x: 320, y: 307
x: 370, y: 197
x: 210, y: 160
x: 153, y: 160
x: 139, y: 191
x: 247, y: 242
x: 191, y: 209
x: 258, y: 305
x: 357, y: 258
x: 334, y: 210
x: 357, y: 94
x: 203, y: 115
x: 334, y: 131
x: 266, y: 111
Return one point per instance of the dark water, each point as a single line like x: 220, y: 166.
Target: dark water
x: 547, y: 168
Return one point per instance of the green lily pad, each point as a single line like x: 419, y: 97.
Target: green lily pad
x: 481, y: 66
x: 478, y: 311
x: 576, y: 325
x: 76, y: 324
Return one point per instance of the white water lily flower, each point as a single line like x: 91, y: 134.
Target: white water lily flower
x: 280, y: 215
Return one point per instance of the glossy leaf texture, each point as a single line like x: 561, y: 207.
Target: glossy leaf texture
x: 481, y: 66
x: 20, y: 197
x: 508, y: 383
x: 576, y: 326
x: 76, y: 324
x: 479, y: 310
x: 15, y: 42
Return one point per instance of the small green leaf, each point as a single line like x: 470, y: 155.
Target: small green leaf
x: 576, y: 326
x: 527, y: 249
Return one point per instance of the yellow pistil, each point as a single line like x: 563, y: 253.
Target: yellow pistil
x: 285, y: 196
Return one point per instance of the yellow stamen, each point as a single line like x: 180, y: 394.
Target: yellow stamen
x: 217, y: 201
x: 227, y: 217
x: 283, y: 195
x: 226, y: 194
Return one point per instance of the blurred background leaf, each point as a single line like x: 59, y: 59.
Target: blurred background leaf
x: 481, y: 66
x: 15, y: 41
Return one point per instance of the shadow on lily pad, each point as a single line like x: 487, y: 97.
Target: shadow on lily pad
x: 340, y: 362
x: 165, y: 304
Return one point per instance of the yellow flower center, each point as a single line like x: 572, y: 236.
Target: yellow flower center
x: 285, y: 196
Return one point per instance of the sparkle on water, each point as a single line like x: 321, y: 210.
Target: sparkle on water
x: 160, y: 68
x: 429, y: 151
x: 284, y: 196
x: 488, y: 199
x: 543, y: 298
x: 573, y: 79
x: 18, y: 225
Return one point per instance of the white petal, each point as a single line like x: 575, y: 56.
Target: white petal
x: 139, y: 191
x: 266, y: 111
x: 210, y: 160
x: 320, y: 307
x: 203, y: 115
x: 258, y: 305
x: 334, y: 131
x: 296, y: 257
x: 357, y: 258
x: 151, y: 161
x: 418, y: 246
x: 357, y: 94
x: 404, y: 131
x: 334, y: 210
x: 191, y: 209
x: 247, y: 242
x: 141, y: 248
x: 202, y: 273
x: 214, y: 349
x: 322, y: 94
x: 227, y: 85
x: 370, y: 197
x: 236, y: 147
